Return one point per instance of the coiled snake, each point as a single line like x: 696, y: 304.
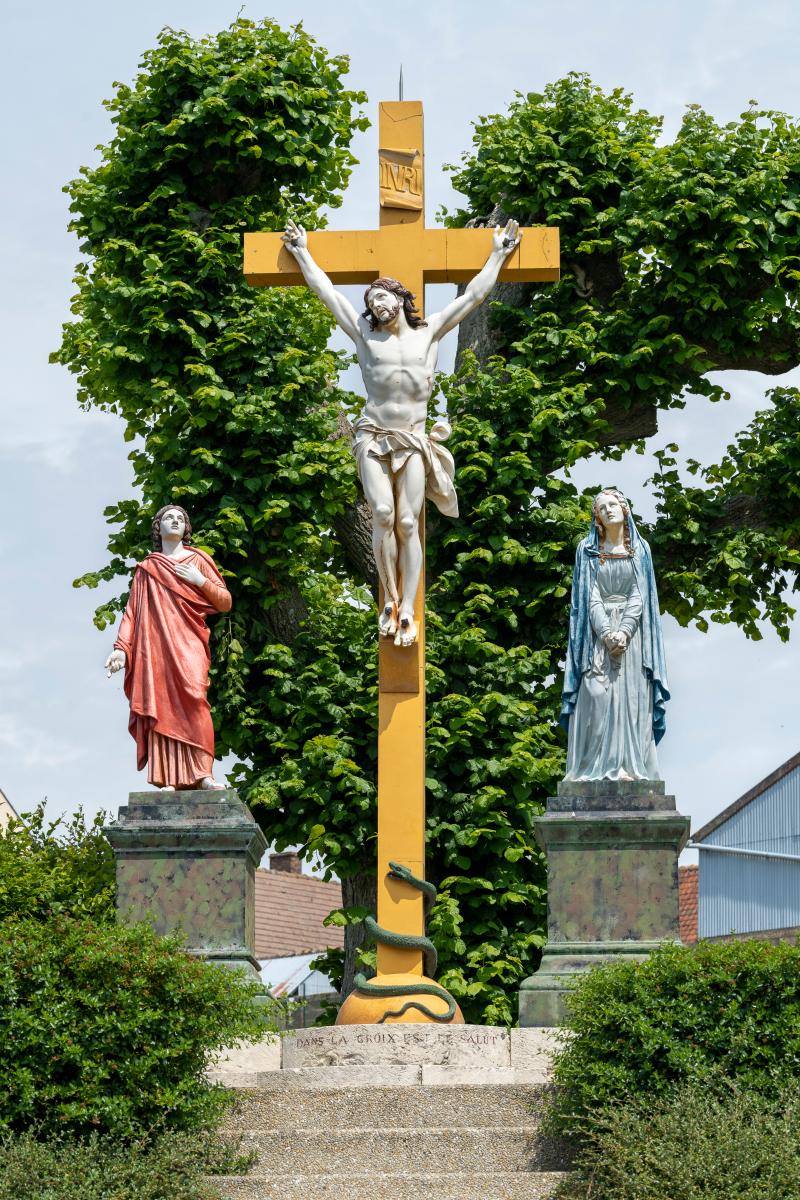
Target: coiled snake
x: 407, y: 942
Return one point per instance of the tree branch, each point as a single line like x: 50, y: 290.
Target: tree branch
x: 743, y: 512
x: 772, y: 356
x: 626, y: 425
x: 598, y: 277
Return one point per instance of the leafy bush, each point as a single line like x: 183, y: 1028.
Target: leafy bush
x: 686, y: 1013
x: 725, y: 1144
x: 50, y: 867
x: 107, y: 1028
x: 171, y: 1167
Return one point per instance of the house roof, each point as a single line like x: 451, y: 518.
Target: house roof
x: 290, y: 909
x: 687, y: 904
x: 7, y: 810
x: 780, y: 773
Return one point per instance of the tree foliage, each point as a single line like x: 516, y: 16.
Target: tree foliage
x: 230, y: 400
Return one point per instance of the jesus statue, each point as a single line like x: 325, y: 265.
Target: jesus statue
x: 399, y: 462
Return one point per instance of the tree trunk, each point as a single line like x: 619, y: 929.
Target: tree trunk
x: 354, y: 524
x: 354, y: 530
x: 363, y: 891
x: 286, y: 616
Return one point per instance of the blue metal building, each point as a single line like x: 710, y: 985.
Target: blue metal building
x: 749, y: 868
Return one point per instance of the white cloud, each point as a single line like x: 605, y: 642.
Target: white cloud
x: 36, y: 747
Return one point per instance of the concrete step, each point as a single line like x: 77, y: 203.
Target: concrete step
x: 304, y: 1107
x: 419, y: 1186
x: 369, y: 1151
x: 382, y: 1075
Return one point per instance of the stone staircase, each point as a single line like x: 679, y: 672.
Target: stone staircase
x: 356, y: 1131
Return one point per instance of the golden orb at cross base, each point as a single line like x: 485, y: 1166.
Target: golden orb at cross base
x: 362, y: 1009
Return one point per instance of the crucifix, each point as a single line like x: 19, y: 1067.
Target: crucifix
x: 399, y: 462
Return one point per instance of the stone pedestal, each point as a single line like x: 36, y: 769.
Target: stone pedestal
x: 612, y: 883
x: 186, y: 862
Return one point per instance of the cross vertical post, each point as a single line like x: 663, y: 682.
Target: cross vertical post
x: 401, y: 670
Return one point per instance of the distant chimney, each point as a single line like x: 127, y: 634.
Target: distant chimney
x: 288, y: 861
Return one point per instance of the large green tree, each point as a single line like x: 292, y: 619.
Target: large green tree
x: 678, y: 261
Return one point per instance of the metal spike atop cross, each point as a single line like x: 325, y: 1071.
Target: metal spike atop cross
x: 403, y: 248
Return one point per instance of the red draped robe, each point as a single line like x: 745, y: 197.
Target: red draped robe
x: 165, y: 639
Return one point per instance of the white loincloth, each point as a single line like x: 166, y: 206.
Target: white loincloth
x: 396, y: 446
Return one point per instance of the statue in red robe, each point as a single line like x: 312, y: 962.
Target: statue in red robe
x: 163, y: 645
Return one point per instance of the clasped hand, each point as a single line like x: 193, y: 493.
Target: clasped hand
x: 616, y: 643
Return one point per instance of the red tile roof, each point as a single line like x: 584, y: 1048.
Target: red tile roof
x: 687, y: 904
x: 289, y: 913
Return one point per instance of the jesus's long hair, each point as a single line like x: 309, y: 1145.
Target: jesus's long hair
x: 394, y: 286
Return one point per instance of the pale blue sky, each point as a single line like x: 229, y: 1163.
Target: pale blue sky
x: 63, y: 726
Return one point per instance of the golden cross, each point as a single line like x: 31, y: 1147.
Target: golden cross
x: 402, y: 247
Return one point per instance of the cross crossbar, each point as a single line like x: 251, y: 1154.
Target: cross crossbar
x: 444, y: 256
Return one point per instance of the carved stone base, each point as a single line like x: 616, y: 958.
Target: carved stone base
x: 186, y: 861
x: 612, y: 871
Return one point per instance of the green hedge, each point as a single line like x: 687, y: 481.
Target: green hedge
x: 108, y: 1028
x: 700, y: 1143
x: 171, y: 1167
x: 56, y: 867
x: 730, y: 1009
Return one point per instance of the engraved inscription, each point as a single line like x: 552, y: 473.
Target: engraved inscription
x: 358, y: 1045
x: 308, y: 1040
x: 400, y: 178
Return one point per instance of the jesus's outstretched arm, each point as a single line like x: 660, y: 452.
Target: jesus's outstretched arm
x: 504, y: 241
x: 296, y: 241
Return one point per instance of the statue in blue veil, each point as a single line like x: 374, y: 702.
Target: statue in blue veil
x: 615, y: 681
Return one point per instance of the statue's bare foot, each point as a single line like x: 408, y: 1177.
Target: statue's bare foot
x: 167, y: 788
x: 209, y: 784
x: 407, y: 632
x: 387, y: 622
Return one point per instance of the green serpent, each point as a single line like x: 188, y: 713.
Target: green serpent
x: 408, y: 942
